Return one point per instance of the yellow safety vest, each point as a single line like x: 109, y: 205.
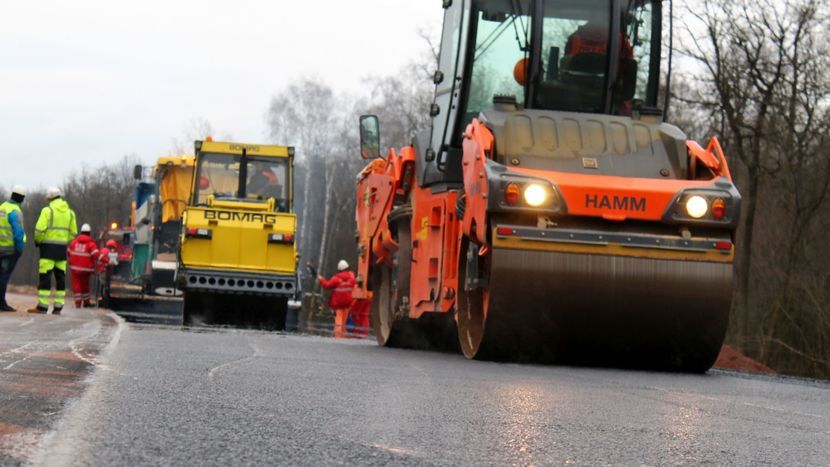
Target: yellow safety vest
x: 6, y: 231
x: 56, y: 224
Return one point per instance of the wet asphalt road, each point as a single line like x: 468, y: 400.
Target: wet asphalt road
x: 169, y: 396
x: 45, y: 364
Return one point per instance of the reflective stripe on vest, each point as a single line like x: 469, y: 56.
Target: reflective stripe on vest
x: 343, y: 289
x: 55, y: 232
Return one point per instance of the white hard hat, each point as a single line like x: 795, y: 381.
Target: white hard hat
x: 53, y: 192
x: 342, y: 265
x: 19, y: 190
x: 86, y: 228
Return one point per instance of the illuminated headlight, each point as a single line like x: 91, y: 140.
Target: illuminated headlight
x: 697, y: 207
x: 535, y: 195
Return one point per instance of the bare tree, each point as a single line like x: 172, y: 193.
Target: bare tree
x: 322, y: 125
x: 197, y: 128
x: 765, y: 88
x: 302, y: 116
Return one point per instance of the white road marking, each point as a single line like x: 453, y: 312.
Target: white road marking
x: 394, y: 449
x: 26, y: 323
x: 213, y: 371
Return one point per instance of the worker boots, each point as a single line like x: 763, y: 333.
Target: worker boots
x: 6, y: 307
x: 38, y: 309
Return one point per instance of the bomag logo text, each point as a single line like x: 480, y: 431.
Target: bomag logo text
x: 240, y: 216
x: 617, y: 203
x: 239, y: 147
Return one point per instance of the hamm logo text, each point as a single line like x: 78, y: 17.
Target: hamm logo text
x: 617, y: 203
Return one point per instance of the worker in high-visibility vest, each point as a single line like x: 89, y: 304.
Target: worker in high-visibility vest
x: 55, y: 228
x: 83, y: 254
x: 12, y: 240
x: 341, y: 285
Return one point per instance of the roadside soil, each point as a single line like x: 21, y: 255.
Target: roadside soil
x: 731, y: 359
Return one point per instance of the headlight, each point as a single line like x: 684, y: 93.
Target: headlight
x: 716, y: 206
x: 697, y: 207
x: 535, y: 195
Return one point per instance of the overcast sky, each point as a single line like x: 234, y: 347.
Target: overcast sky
x: 88, y: 81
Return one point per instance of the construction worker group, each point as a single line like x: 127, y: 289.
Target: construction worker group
x: 59, y: 245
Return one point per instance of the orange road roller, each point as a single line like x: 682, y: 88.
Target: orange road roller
x: 550, y: 213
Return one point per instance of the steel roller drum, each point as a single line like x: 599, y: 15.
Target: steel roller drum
x: 606, y: 310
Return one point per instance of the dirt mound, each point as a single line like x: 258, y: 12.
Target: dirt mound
x: 731, y: 359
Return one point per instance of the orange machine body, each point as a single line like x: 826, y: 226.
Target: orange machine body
x: 437, y: 230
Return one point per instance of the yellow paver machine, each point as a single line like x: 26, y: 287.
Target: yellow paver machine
x: 237, y: 263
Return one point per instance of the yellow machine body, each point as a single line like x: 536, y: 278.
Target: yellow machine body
x: 237, y: 238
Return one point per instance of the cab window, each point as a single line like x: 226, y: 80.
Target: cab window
x: 217, y: 175
x: 643, y: 28
x: 502, y: 31
x: 268, y: 178
x: 574, y: 56
x: 221, y: 176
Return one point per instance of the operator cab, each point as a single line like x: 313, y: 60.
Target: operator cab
x: 591, y: 56
x: 242, y: 177
x: 585, y: 56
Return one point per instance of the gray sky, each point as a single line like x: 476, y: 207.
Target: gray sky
x: 88, y: 81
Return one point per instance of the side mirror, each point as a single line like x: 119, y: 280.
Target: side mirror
x: 138, y: 171
x: 369, y: 137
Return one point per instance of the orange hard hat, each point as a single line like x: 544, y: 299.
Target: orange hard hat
x: 520, y: 71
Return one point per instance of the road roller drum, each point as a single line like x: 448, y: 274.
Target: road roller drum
x: 596, y: 309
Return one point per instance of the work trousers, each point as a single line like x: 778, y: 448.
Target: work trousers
x: 341, y: 315
x: 7, y: 264
x: 80, y: 288
x: 360, y: 315
x: 47, y: 268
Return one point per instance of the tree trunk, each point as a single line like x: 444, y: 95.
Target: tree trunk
x: 324, y: 236
x: 741, y: 309
x: 304, y: 217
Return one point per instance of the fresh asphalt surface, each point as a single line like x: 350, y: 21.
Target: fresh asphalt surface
x: 170, y: 396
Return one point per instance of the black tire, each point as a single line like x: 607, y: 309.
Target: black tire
x: 433, y: 331
x: 105, y: 286
x: 276, y: 310
x: 387, y: 321
x: 192, y: 308
x: 390, y: 286
x: 470, y: 307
